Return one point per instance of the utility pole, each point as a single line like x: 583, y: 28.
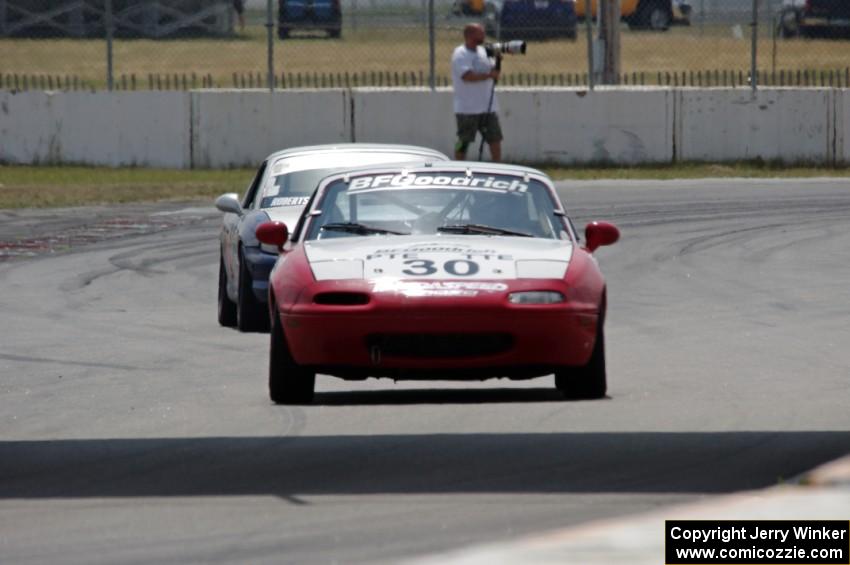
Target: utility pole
x: 270, y: 44
x: 591, y: 64
x: 609, y: 34
x: 110, y: 32
x: 432, y: 49
x: 754, y: 72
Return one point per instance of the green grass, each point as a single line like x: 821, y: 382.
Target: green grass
x: 62, y: 186
x: 54, y: 186
x: 744, y: 169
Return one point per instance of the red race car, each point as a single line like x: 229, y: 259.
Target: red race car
x: 456, y: 270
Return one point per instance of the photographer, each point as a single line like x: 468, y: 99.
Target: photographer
x: 475, y: 106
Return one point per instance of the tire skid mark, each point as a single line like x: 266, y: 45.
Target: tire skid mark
x: 725, y: 237
x: 762, y: 255
x: 731, y: 236
x: 69, y: 238
x: 777, y: 297
x: 721, y: 238
x: 685, y: 214
x: 124, y: 262
x: 28, y: 359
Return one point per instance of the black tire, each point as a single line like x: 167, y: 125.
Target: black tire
x: 655, y: 16
x: 226, y: 307
x: 588, y: 382
x: 334, y: 32
x: 251, y: 314
x: 282, y: 32
x: 289, y: 383
x: 788, y: 25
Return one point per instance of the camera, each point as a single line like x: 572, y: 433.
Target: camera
x: 515, y: 47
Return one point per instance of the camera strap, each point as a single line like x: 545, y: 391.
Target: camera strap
x: 482, y: 124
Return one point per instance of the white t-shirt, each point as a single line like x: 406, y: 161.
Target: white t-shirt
x: 471, y: 97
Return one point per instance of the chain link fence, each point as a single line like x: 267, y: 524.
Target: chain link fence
x: 186, y: 44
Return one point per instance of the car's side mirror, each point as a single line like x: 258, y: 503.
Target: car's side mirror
x: 273, y: 233
x: 597, y: 234
x: 229, y: 203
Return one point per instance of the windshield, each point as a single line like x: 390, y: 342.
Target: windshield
x: 293, y: 179
x: 442, y: 203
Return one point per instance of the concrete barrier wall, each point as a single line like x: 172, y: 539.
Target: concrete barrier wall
x: 561, y: 125
x: 776, y: 124
x: 240, y: 128
x: 208, y: 129
x: 415, y: 116
x: 99, y: 128
x: 574, y: 126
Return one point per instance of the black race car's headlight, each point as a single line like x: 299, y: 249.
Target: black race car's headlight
x: 536, y: 297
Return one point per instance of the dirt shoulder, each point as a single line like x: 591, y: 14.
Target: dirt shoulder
x: 34, y: 232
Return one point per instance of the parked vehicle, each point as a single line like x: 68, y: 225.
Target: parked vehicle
x: 682, y: 11
x: 309, y: 15
x: 468, y: 7
x: 656, y: 15
x: 639, y: 14
x: 814, y: 18
x: 526, y: 19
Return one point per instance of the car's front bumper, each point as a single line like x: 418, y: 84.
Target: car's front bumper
x: 260, y: 264
x: 401, y: 337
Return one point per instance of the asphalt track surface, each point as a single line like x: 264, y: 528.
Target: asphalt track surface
x: 133, y: 429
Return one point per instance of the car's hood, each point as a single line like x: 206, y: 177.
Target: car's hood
x: 438, y: 257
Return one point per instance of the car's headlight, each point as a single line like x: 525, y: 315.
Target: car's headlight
x: 536, y: 297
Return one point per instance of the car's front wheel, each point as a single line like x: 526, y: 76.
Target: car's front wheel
x: 789, y: 24
x: 226, y: 307
x: 587, y: 382
x: 251, y: 315
x: 289, y: 383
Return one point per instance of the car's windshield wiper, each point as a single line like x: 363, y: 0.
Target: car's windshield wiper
x: 480, y: 229
x: 360, y: 229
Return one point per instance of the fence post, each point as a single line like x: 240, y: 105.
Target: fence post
x: 774, y: 32
x: 588, y: 24
x: 610, y: 35
x: 432, y: 48
x: 270, y: 40
x: 109, y: 33
x: 755, y: 36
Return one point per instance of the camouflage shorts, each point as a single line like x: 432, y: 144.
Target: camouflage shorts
x: 468, y: 125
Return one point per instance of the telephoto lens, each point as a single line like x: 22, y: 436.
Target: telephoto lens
x: 514, y: 47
